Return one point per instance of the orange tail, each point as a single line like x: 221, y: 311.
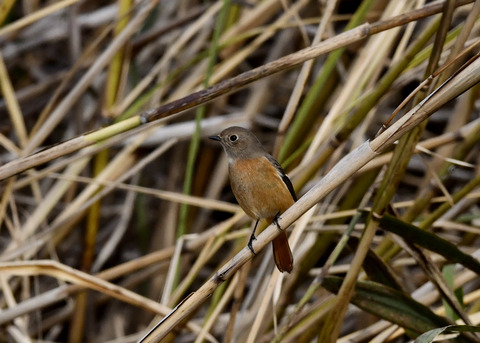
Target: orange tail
x: 282, y: 253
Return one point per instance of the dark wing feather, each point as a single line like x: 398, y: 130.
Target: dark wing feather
x: 284, y: 177
x: 289, y: 186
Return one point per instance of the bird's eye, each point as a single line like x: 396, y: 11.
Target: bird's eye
x: 233, y: 138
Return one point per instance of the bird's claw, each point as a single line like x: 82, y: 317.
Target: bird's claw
x: 250, y: 246
x: 275, y: 221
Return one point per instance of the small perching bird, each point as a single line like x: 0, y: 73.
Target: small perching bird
x: 260, y: 186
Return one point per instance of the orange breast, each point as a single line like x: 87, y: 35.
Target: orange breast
x: 259, y: 188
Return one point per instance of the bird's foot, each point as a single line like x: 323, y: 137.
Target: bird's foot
x: 275, y: 221
x: 250, y: 241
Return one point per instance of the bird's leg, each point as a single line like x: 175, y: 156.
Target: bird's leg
x: 252, y: 238
x: 275, y: 220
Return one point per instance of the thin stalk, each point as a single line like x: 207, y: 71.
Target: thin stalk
x: 100, y: 161
x: 308, y: 111
x: 195, y: 141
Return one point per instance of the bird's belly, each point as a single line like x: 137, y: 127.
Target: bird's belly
x: 258, y: 188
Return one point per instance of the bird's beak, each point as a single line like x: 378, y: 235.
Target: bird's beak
x: 215, y: 138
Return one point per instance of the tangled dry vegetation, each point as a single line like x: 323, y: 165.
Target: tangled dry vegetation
x: 115, y: 208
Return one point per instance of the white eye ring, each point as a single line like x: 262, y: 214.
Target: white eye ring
x: 233, y: 138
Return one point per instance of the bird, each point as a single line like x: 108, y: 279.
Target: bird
x: 260, y: 185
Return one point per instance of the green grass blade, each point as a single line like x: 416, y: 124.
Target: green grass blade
x: 390, y: 304
x: 429, y: 336
x: 429, y: 241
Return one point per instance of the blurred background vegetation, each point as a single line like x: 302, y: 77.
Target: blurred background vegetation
x: 99, y: 244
